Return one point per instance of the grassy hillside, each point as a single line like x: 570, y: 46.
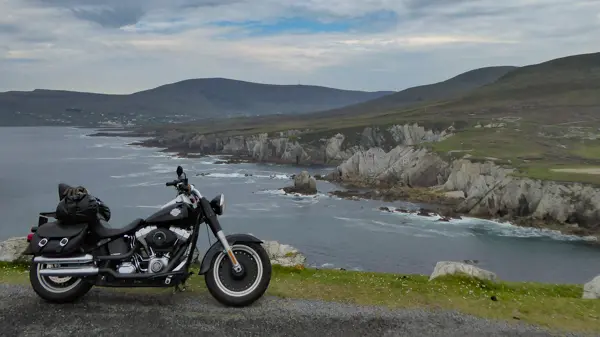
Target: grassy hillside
x: 366, y: 113
x: 447, y: 89
x: 543, y: 119
x: 182, y: 101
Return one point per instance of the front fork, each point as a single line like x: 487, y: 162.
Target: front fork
x: 237, y: 267
x: 215, y: 226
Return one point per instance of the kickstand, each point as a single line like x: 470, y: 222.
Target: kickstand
x: 181, y: 287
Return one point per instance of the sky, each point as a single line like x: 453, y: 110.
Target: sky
x: 123, y: 46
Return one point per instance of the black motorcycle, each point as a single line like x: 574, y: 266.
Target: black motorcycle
x: 69, y: 258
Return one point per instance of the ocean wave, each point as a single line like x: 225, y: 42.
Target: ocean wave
x: 263, y: 207
x: 272, y: 192
x: 244, y: 175
x: 492, y: 227
x: 406, y: 229
x: 162, y: 168
x: 132, y: 175
x: 297, y: 196
x: 508, y: 229
x: 225, y: 175
x: 147, y: 183
x: 273, y: 176
x: 161, y: 155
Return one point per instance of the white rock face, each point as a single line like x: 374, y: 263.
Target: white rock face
x: 292, y: 145
x: 12, y: 249
x: 403, y: 164
x: 591, y: 290
x: 414, y: 134
x: 284, y: 255
x: 490, y: 190
x: 452, y: 268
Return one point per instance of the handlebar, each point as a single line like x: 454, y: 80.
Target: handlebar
x: 172, y: 183
x: 181, y: 179
x: 177, y: 182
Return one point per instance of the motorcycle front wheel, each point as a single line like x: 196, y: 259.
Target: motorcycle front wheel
x: 238, y: 290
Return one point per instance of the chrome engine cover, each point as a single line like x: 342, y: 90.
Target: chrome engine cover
x: 157, y: 264
x: 126, y: 268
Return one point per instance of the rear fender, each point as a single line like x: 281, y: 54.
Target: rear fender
x: 217, y: 247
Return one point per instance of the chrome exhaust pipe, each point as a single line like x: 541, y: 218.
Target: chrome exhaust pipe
x: 87, y: 258
x: 84, y: 271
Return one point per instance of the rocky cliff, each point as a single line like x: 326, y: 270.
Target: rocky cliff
x: 296, y: 146
x: 488, y: 189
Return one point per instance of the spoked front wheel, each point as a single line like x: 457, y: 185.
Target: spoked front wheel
x: 239, y: 289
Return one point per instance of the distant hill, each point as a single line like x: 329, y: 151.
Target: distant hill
x: 449, y: 88
x: 541, y: 119
x: 563, y: 90
x: 181, y: 101
x: 567, y: 80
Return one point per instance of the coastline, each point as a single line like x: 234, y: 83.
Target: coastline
x: 435, y: 201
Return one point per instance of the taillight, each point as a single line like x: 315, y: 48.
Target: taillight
x: 29, y: 237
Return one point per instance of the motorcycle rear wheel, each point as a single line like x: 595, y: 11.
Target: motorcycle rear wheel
x: 57, y: 289
x: 239, y: 290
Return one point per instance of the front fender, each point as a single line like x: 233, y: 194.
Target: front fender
x: 217, y: 247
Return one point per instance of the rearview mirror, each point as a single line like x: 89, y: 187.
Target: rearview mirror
x: 179, y: 171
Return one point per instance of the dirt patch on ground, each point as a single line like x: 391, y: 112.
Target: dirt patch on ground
x: 589, y: 170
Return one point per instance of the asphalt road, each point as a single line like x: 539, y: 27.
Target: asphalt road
x: 105, y: 312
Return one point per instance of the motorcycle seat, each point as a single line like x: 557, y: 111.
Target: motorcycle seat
x: 104, y: 230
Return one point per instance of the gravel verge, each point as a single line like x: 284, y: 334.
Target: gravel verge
x: 106, y: 312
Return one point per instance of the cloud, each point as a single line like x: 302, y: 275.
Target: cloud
x: 124, y: 46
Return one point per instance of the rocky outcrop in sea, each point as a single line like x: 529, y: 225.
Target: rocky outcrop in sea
x: 484, y: 189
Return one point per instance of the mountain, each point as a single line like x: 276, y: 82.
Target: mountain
x: 449, y: 88
x: 561, y: 91
x: 543, y: 120
x: 567, y: 80
x: 181, y: 101
x: 369, y: 111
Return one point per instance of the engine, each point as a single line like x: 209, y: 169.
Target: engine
x: 158, y: 244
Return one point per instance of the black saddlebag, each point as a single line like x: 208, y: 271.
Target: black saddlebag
x: 58, y: 239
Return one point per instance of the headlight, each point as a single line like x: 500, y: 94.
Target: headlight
x: 218, y: 204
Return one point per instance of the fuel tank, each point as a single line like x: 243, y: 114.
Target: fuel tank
x: 179, y: 215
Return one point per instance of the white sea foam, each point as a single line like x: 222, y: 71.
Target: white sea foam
x: 132, y: 175
x: 296, y: 196
x: 225, y: 175
x: 147, y: 183
x: 492, y: 227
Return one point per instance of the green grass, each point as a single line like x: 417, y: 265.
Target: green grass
x: 555, y: 306
x: 521, y: 147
